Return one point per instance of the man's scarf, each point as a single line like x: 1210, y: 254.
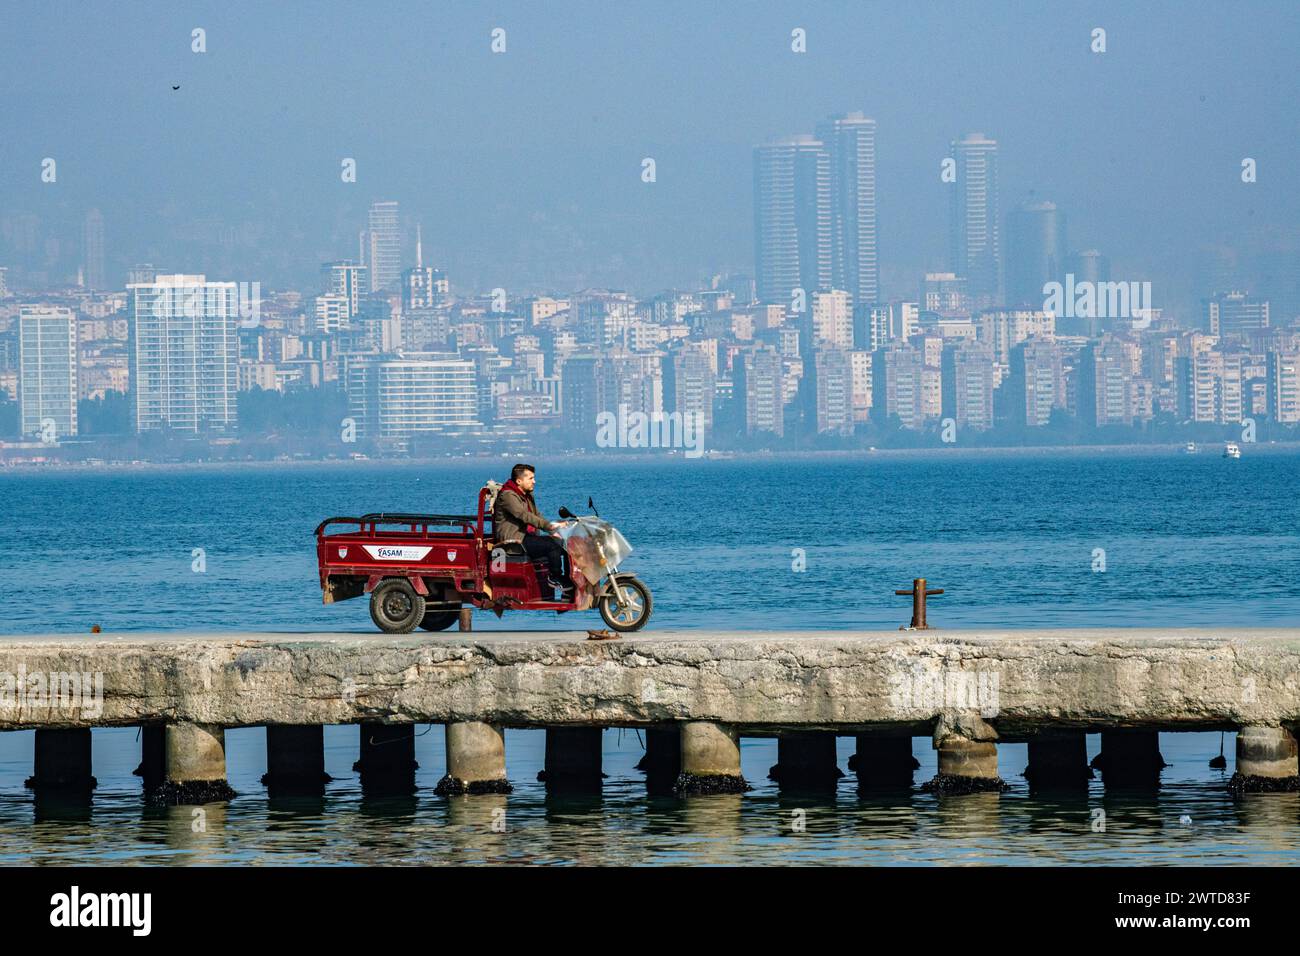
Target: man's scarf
x: 526, y: 495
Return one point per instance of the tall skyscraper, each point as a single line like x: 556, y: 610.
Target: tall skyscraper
x: 1035, y: 252
x: 792, y: 218
x: 47, y: 371
x: 975, y: 243
x: 93, y: 249
x: 850, y: 140
x: 183, y: 351
x: 384, y: 246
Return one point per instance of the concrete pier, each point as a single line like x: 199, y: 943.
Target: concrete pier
x: 295, y: 759
x: 1058, y: 760
x: 387, y: 762
x: 806, y: 762
x: 476, y: 759
x: 1130, y: 759
x: 1266, y: 761
x: 573, y: 759
x: 194, y: 766
x: 708, y: 688
x: 883, y: 762
x: 62, y: 762
x: 710, y: 759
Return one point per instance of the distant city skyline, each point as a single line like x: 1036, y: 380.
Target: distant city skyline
x: 529, y: 176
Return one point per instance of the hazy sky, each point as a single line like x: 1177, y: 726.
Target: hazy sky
x: 524, y: 167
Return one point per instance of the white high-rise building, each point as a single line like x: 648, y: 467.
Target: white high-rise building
x: 792, y: 218
x: 397, y: 396
x: 184, y: 353
x: 832, y: 319
x: 384, y: 246
x: 47, y: 371
x: 347, y: 279
x: 975, y: 240
x: 850, y: 140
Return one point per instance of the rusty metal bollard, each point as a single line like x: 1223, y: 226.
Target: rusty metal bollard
x: 919, y: 594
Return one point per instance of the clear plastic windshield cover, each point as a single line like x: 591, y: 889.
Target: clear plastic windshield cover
x: 594, y: 546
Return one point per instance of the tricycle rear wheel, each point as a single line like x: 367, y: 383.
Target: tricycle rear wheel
x: 395, y: 607
x: 635, y: 614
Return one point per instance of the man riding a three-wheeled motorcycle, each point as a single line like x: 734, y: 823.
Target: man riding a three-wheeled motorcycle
x: 507, y: 556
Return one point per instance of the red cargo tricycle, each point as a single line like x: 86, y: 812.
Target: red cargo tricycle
x: 420, y: 570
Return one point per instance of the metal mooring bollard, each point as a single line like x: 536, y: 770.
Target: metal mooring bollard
x: 919, y: 594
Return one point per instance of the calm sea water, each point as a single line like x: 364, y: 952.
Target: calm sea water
x: 1016, y: 541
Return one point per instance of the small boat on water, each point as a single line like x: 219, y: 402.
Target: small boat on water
x: 1232, y: 450
x: 1190, y: 448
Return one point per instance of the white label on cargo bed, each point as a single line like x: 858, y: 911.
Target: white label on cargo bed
x: 383, y: 552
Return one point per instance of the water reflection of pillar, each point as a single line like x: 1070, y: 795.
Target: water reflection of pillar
x: 477, y: 826
x: 198, y: 830
x: 976, y: 817
x: 717, y: 818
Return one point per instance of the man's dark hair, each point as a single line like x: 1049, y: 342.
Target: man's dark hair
x: 517, y: 472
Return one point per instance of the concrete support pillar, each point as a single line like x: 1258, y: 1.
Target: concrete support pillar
x: 465, y: 620
x: 387, y: 763
x: 62, y: 763
x: 194, y: 766
x: 883, y: 762
x: 710, y: 759
x: 1130, y: 759
x: 153, y: 755
x: 806, y: 761
x: 295, y: 759
x: 1266, y: 761
x: 663, y: 758
x: 1058, y: 760
x: 572, y: 759
x: 966, y: 766
x: 476, y: 759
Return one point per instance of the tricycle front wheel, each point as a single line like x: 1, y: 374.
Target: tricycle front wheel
x: 637, y: 605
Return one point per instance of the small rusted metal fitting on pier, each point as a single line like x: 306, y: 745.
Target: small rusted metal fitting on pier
x: 919, y: 594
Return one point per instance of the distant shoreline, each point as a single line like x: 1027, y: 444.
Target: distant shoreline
x: 604, y: 459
